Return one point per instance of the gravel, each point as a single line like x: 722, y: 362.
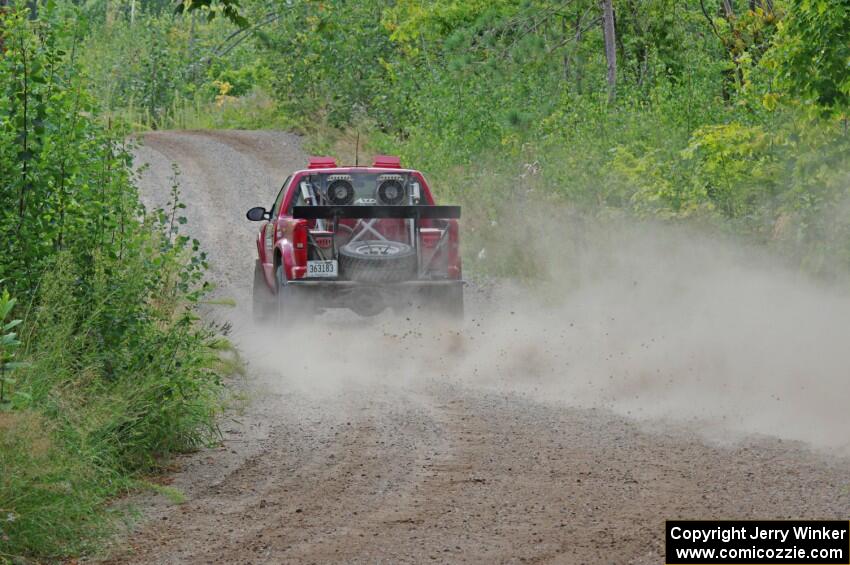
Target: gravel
x: 330, y: 461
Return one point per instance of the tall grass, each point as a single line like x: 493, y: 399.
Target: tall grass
x: 85, y: 420
x: 256, y: 110
x: 120, y: 372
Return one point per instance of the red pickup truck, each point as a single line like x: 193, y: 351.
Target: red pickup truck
x: 364, y: 238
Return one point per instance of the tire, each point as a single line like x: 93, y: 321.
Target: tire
x: 262, y: 300
x: 377, y: 261
x: 291, y: 305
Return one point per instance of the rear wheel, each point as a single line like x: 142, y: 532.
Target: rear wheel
x: 291, y: 301
x: 262, y: 299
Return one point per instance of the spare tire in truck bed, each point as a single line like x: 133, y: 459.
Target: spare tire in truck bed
x: 378, y: 261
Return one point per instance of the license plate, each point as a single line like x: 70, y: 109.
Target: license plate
x: 321, y: 269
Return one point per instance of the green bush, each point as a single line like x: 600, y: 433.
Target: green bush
x: 712, y: 121
x: 120, y: 373
x: 721, y: 117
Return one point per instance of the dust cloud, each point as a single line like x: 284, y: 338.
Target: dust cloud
x: 657, y: 323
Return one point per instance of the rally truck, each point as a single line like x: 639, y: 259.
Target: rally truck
x: 364, y: 238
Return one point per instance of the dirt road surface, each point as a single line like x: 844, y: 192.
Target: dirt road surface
x: 337, y: 459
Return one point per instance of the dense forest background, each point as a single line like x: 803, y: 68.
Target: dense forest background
x: 727, y: 114
x: 731, y: 113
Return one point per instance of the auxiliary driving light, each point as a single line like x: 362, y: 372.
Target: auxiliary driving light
x: 390, y: 190
x: 340, y: 190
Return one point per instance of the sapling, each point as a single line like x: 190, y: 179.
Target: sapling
x: 8, y: 343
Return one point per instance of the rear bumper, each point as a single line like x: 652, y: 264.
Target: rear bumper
x: 370, y: 298
x: 353, y: 285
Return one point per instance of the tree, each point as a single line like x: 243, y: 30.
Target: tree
x: 228, y: 8
x: 610, y: 35
x: 813, y: 51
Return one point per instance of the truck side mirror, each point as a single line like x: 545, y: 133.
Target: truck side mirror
x: 258, y: 214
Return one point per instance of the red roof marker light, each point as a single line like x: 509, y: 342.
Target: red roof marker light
x: 387, y: 162
x: 321, y: 163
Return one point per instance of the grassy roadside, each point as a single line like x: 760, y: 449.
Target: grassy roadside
x: 83, y: 423
x: 107, y: 369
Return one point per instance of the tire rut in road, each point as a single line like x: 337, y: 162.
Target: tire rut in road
x: 317, y: 479
x: 429, y: 469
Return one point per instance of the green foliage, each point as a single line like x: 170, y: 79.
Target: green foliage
x: 733, y: 167
x: 149, y: 75
x: 119, y: 371
x: 50, y: 495
x: 8, y: 344
x: 707, y: 124
x: 480, y: 93
x: 242, y: 80
x: 813, y: 53
x: 317, y: 37
x: 410, y: 21
x: 152, y: 71
x: 227, y: 8
x: 66, y: 180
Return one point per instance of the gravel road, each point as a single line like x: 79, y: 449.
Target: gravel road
x: 378, y: 452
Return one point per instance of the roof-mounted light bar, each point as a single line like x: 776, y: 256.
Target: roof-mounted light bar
x: 321, y: 163
x: 387, y: 162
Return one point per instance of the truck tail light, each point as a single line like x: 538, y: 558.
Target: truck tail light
x: 299, y: 242
x: 323, y: 239
x: 430, y: 237
x: 455, y: 266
